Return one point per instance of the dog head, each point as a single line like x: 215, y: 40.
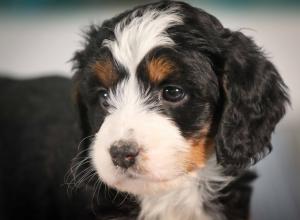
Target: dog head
x: 165, y: 87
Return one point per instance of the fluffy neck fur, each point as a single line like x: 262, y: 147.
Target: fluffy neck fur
x: 187, y: 201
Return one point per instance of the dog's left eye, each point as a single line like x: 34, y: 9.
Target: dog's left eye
x: 173, y: 93
x: 103, y: 96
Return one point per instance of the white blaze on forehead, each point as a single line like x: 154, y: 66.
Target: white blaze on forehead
x: 127, y: 99
x: 135, y: 39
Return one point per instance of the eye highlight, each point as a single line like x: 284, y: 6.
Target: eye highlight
x: 172, y: 93
x: 103, y: 96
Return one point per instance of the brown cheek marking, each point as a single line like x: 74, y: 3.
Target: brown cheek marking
x: 159, y: 69
x: 201, y: 149
x: 105, y: 72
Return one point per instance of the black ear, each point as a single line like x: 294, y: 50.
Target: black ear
x: 77, y: 94
x: 254, y: 98
x: 82, y: 112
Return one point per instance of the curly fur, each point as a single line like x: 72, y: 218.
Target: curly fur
x: 194, y: 155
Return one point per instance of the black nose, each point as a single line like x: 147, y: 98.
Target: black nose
x: 124, y: 154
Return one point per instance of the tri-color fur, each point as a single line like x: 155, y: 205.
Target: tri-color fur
x: 193, y: 152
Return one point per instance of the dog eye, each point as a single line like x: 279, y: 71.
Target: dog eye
x: 173, y: 93
x: 103, y: 96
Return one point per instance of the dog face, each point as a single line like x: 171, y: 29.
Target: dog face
x: 164, y: 87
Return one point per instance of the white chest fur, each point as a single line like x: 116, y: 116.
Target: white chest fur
x: 181, y: 204
x: 186, y: 202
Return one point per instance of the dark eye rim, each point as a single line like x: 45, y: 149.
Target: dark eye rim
x: 179, y: 100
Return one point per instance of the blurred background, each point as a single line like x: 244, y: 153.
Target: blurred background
x: 39, y: 37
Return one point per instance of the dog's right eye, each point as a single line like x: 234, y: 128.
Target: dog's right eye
x: 103, y: 96
x: 172, y: 93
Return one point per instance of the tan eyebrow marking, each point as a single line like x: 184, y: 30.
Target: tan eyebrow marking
x: 159, y: 69
x: 105, y: 72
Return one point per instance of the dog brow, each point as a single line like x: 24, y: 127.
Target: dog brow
x: 159, y: 69
x: 104, y: 71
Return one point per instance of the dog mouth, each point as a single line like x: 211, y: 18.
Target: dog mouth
x: 133, y: 175
x: 145, y: 184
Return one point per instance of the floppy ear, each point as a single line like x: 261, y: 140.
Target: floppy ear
x: 82, y: 112
x: 77, y: 81
x: 254, y: 101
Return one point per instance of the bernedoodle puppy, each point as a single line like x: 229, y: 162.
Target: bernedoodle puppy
x: 174, y: 108
x: 178, y: 108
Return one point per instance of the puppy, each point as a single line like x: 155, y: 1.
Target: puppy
x: 176, y: 108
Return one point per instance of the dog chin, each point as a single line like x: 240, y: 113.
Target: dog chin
x: 142, y: 185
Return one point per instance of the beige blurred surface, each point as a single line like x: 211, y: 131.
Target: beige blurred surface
x: 38, y: 44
